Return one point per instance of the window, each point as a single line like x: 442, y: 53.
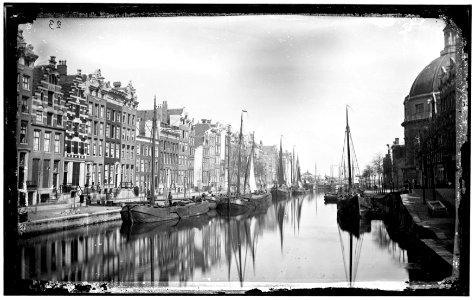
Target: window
x: 117, y: 132
x: 88, y: 127
x: 39, y: 116
x: 77, y: 110
x: 49, y: 119
x: 81, y: 148
x: 123, y: 133
x: 102, y: 111
x: 138, y: 150
x: 112, y: 150
x: 57, y: 145
x: 52, y: 79
x: 94, y: 170
x: 88, y: 147
x: 124, y: 116
x: 59, y: 120
x: 420, y: 108
x: 24, y: 104
x: 75, y: 147
x: 68, y: 146
x: 46, y: 167
x: 100, y: 148
x: 23, y: 132
x: 108, y: 114
x: 26, y: 83
x: 101, y: 129
x: 112, y: 131
x: 129, y: 120
x: 113, y: 115
x: 106, y: 173
x: 108, y: 129
x: 117, y: 150
x: 90, y: 108
x: 94, y: 146
x: 123, y: 149
x: 107, y: 149
x: 96, y: 111
x: 47, y: 141
x: 50, y: 98
x: 36, y: 140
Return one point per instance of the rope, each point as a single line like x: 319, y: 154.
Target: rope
x: 358, y: 253
x: 343, y: 253
x: 354, y: 152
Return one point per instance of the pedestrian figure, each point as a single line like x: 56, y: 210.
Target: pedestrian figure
x: 170, y: 198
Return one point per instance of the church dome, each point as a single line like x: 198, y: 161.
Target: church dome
x: 428, y: 79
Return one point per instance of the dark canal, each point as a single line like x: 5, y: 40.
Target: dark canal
x: 297, y: 243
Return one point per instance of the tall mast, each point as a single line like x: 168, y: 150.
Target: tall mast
x: 315, y: 172
x: 154, y: 124
x: 292, y: 167
x: 348, y: 147
x: 281, y: 167
x: 248, y: 164
x: 239, y: 158
x: 229, y: 159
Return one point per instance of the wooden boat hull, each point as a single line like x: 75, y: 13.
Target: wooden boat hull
x: 234, y: 207
x: 212, y: 204
x: 261, y: 201
x: 348, y: 206
x: 193, y: 209
x: 280, y: 193
x: 330, y: 198
x: 299, y: 192
x: 144, y: 214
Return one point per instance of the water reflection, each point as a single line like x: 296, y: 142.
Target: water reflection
x: 238, y: 250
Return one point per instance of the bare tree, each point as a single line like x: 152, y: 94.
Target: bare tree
x: 377, y: 164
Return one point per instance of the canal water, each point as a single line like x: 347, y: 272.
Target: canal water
x: 296, y: 243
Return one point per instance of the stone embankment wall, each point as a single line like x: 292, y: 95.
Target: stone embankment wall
x: 70, y: 221
x: 405, y: 229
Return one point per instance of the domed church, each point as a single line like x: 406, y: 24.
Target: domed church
x: 423, y: 103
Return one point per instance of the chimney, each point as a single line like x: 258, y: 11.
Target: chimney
x: 117, y: 84
x: 52, y: 61
x: 62, y: 68
x: 79, y: 72
x: 396, y: 141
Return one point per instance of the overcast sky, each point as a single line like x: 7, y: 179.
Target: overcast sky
x: 293, y: 74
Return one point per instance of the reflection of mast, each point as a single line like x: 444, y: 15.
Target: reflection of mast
x: 353, y: 230
x: 280, y: 220
x: 151, y: 260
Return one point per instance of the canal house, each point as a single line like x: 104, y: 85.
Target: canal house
x: 48, y: 115
x: 95, y: 93
x: 24, y: 133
